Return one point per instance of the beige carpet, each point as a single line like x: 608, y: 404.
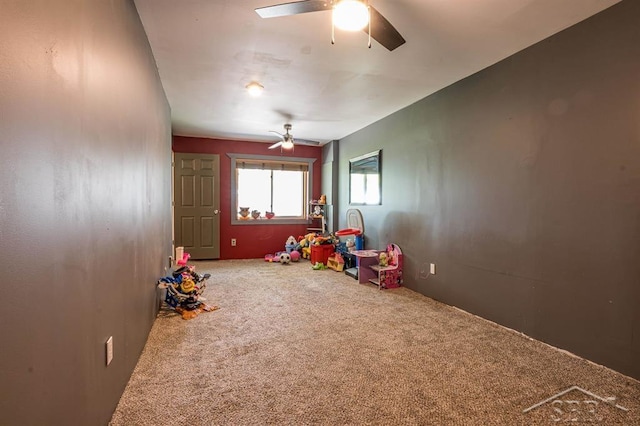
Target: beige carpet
x: 293, y: 346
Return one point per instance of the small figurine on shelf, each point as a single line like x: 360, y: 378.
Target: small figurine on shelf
x: 323, y: 199
x: 317, y: 211
x: 255, y: 214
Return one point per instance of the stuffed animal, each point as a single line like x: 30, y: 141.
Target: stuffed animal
x: 318, y: 266
x: 304, y: 248
x: 383, y: 261
x: 391, y: 253
x: 351, y: 245
x: 305, y: 245
x: 291, y: 243
x: 295, y: 256
x: 320, y: 240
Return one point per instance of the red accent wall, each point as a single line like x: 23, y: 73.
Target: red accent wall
x: 252, y: 241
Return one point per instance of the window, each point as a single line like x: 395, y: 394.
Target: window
x: 270, y: 184
x: 364, y: 179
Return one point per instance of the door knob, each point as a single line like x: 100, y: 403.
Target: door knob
x: 216, y: 211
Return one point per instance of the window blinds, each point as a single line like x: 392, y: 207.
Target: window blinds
x: 272, y: 165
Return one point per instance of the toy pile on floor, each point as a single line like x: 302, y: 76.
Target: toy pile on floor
x: 300, y: 248
x: 184, y: 289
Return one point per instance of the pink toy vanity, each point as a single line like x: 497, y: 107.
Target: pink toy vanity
x: 389, y: 276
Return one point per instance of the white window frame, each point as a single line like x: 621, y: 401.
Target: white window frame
x: 235, y: 158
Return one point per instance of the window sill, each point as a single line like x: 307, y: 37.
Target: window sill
x: 265, y: 221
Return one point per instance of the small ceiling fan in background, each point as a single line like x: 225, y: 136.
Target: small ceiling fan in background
x: 287, y: 141
x: 376, y: 25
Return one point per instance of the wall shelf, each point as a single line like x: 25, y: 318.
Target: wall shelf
x: 317, y: 218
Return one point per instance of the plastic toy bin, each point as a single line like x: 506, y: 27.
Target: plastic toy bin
x: 321, y: 253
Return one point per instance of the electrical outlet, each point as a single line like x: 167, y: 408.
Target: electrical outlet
x: 432, y: 269
x: 109, y: 347
x: 233, y: 242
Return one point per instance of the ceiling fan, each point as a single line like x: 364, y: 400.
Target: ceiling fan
x: 287, y: 141
x: 377, y: 26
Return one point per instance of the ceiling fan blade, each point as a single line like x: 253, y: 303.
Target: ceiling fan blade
x: 305, y: 142
x: 293, y: 8
x: 382, y: 31
x: 275, y: 145
x: 279, y: 134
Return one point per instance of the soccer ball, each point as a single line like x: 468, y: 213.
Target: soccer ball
x: 285, y: 258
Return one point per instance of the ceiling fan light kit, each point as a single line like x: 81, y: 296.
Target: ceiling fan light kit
x: 372, y: 22
x: 350, y: 15
x: 288, y: 142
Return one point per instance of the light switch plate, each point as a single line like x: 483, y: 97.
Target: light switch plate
x: 109, y: 347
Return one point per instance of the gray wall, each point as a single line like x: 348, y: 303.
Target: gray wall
x: 330, y: 186
x: 522, y: 184
x: 85, y: 219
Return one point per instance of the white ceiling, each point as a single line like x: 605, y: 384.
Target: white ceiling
x: 207, y: 51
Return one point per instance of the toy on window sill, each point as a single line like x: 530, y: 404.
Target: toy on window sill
x: 244, y: 213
